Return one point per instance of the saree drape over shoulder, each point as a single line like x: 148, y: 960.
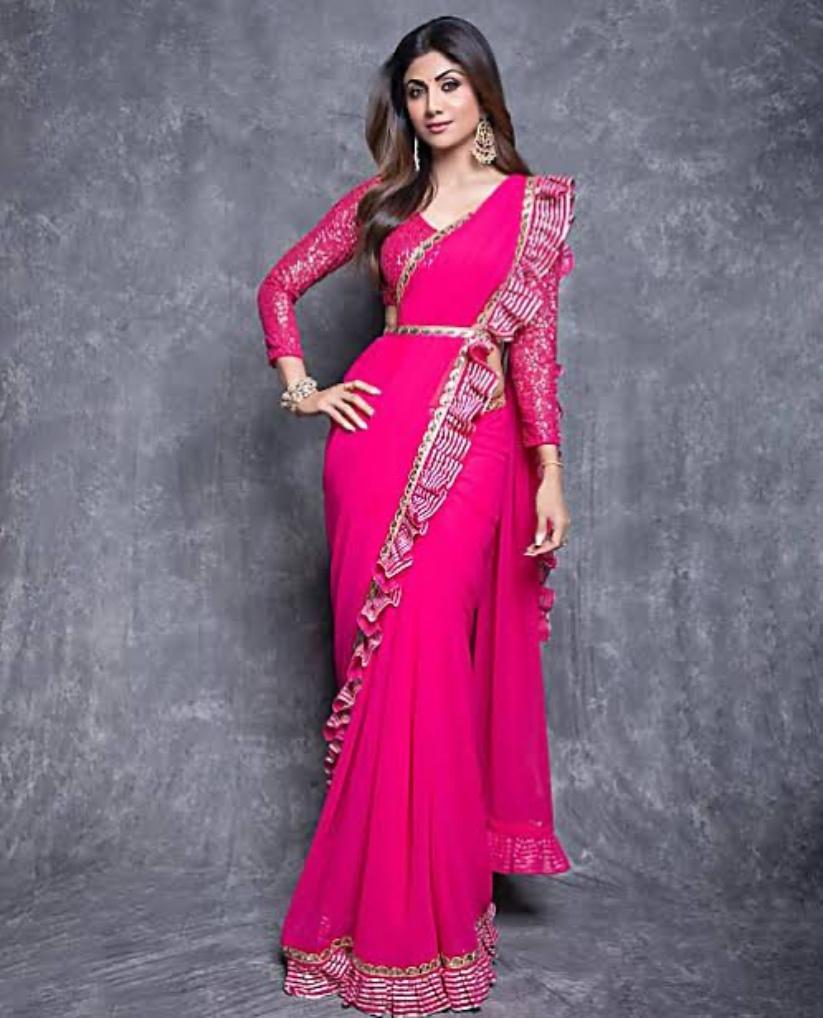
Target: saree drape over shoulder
x: 437, y: 757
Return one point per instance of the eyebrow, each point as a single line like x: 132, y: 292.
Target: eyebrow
x: 437, y: 77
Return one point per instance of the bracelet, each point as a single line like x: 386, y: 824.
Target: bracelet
x: 542, y: 464
x: 296, y: 392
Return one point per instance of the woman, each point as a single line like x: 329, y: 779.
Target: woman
x: 444, y: 507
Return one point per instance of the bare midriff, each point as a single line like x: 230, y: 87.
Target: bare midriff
x: 494, y: 359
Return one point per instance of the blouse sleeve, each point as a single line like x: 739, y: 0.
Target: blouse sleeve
x: 325, y: 248
x: 534, y: 365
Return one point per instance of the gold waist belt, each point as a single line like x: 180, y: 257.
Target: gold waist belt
x: 494, y: 402
x: 444, y: 330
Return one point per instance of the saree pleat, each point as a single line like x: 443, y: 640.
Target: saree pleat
x: 437, y: 754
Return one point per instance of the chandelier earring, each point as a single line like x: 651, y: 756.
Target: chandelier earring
x: 483, y: 148
x: 416, y: 153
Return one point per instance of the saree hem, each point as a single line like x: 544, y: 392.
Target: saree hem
x: 438, y: 740
x: 457, y: 982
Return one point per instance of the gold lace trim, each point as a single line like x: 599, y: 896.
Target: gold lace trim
x: 525, y: 219
x: 453, y: 962
x: 440, y: 330
x: 429, y: 436
x: 420, y: 252
x: 469, y: 331
x: 453, y: 379
x: 454, y: 375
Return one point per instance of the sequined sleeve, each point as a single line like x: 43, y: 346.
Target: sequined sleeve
x: 329, y: 245
x: 534, y: 365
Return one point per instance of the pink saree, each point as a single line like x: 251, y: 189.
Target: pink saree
x: 437, y: 754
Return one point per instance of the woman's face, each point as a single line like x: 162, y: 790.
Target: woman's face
x: 438, y: 91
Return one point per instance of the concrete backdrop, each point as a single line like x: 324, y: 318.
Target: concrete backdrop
x: 165, y: 635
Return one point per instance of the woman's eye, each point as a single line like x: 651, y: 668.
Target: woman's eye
x: 448, y: 86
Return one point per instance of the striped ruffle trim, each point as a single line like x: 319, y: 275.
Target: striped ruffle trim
x: 521, y: 298
x: 438, y: 461
x: 458, y: 982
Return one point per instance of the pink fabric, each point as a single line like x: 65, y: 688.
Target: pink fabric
x: 534, y: 365
x: 330, y: 244
x: 327, y: 246
x: 437, y: 761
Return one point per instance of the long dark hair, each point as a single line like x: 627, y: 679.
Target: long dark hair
x: 390, y: 135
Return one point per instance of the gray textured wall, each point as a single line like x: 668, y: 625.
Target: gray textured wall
x: 164, y: 640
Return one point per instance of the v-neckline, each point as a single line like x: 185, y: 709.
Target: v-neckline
x: 466, y: 215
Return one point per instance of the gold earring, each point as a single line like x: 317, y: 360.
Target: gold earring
x: 483, y: 147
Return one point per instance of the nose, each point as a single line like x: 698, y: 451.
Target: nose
x: 431, y: 104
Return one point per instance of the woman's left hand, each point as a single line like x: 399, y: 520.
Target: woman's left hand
x: 553, y: 518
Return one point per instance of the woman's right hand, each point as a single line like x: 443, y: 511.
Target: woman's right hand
x: 340, y: 402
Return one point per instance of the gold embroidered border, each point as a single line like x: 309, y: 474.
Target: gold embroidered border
x: 464, y: 330
x: 420, y: 251
x: 423, y: 449
x: 439, y: 330
x: 525, y: 220
x: 427, y: 442
x: 452, y: 962
x: 454, y: 375
x: 453, y: 380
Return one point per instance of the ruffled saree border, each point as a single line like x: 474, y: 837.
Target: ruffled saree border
x: 457, y: 982
x: 545, y: 218
x: 437, y: 463
x: 520, y: 299
x: 550, y: 204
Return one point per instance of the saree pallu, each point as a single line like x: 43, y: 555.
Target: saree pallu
x: 437, y: 753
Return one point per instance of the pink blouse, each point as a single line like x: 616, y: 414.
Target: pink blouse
x: 330, y: 244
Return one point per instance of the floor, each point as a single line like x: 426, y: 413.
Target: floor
x: 157, y: 944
